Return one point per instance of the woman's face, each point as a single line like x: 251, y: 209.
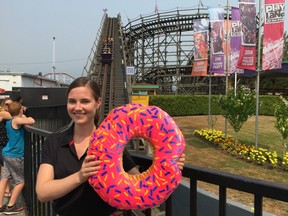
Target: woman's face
x: 6, y: 105
x: 81, y: 105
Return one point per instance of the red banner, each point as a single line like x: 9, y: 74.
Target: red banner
x: 226, y: 44
x: 247, y: 57
x: 273, y: 40
x: 200, y: 68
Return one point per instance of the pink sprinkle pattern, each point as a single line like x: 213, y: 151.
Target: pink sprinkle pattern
x: 154, y: 186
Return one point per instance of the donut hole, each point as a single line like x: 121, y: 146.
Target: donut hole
x: 143, y: 147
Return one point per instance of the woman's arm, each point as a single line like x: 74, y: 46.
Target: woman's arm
x: 48, y: 188
x: 5, y: 115
x: 133, y: 171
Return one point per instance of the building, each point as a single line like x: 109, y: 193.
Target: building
x: 10, y: 80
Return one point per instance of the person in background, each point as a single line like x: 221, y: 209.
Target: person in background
x: 4, y: 116
x: 19, y: 99
x: 65, y: 167
x: 13, y: 157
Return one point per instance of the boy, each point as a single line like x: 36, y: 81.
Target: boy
x: 13, y: 157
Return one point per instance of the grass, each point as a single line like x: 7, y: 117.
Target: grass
x: 203, y: 154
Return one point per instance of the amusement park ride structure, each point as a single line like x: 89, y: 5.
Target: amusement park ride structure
x: 161, y: 48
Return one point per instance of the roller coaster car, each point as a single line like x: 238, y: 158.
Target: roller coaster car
x: 106, y: 52
x: 106, y: 57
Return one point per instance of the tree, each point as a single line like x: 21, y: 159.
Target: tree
x: 285, y: 49
x: 281, y: 114
x: 237, y: 108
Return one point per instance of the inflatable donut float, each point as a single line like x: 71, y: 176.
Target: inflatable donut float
x: 152, y: 187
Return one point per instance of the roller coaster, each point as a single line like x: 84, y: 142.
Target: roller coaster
x: 160, y: 47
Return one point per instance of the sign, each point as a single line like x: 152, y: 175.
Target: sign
x: 247, y: 55
x: 130, y: 70
x: 273, y: 40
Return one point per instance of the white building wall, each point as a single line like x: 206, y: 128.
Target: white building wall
x: 9, y: 81
x: 37, y: 82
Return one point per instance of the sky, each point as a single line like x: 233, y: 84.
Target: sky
x: 27, y: 28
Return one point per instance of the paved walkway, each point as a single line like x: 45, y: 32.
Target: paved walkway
x: 19, y: 203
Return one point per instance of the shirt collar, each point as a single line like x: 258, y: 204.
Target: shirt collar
x: 69, y: 136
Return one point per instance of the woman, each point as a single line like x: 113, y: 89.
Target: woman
x: 4, y: 116
x: 65, y: 166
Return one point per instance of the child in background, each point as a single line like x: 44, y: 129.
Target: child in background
x: 13, y: 157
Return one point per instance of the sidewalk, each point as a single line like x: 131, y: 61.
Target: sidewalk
x: 19, y: 203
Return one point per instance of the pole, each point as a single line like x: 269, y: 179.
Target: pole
x: 227, y: 81
x: 53, y: 59
x: 210, y: 77
x: 258, y: 72
x: 209, y: 104
x: 235, y: 83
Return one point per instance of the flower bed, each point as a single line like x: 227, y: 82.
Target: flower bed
x: 258, y: 156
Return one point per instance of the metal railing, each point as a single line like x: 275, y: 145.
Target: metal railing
x: 34, y: 139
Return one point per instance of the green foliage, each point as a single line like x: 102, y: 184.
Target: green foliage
x: 267, y: 102
x: 238, y: 107
x: 281, y: 114
x: 189, y: 105
x: 185, y: 105
x: 285, y: 50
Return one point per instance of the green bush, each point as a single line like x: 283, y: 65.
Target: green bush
x: 189, y: 105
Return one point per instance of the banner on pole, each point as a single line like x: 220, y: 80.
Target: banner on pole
x: 273, y: 40
x: 247, y: 56
x: 216, y: 16
x: 227, y: 45
x: 201, y: 36
x: 235, y: 40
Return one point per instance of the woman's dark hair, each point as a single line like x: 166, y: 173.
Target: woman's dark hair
x: 18, y: 98
x: 82, y: 82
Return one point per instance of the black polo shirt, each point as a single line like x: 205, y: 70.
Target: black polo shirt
x: 59, y: 151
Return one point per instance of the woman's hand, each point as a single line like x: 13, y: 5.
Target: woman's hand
x: 181, y: 160
x: 89, y: 167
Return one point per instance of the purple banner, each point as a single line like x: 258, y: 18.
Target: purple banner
x: 235, y: 40
x: 218, y: 64
x: 217, y: 51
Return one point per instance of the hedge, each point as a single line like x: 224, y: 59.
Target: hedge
x: 189, y: 105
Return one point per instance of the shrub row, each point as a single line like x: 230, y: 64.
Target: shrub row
x: 189, y: 105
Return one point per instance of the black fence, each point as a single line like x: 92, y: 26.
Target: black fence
x: 34, y: 139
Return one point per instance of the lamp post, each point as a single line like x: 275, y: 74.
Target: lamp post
x: 53, y: 59
x: 258, y: 73
x: 227, y: 64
